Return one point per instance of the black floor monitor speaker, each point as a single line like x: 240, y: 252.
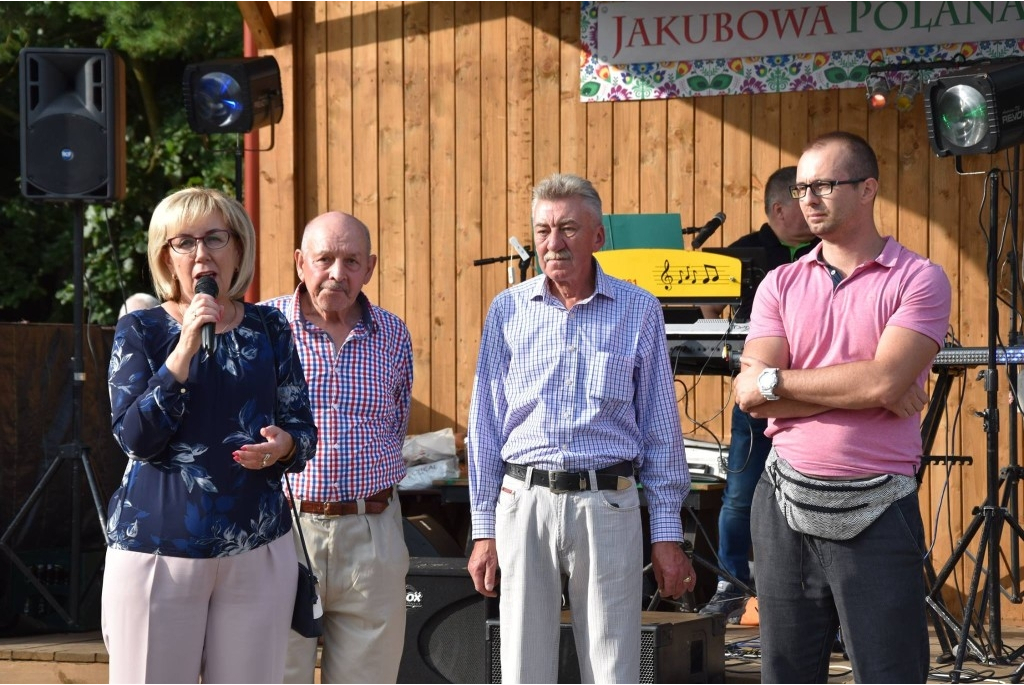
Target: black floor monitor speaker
x: 445, y: 624
x: 72, y: 124
x: 674, y: 648
x: 425, y: 537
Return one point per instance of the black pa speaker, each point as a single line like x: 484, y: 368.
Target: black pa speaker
x: 674, y: 648
x: 445, y: 623
x: 72, y: 124
x: 425, y: 537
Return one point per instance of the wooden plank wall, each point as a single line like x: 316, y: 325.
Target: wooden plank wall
x: 432, y: 121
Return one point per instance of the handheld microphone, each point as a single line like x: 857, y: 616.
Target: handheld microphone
x: 707, y: 229
x: 523, y: 254
x: 208, y: 286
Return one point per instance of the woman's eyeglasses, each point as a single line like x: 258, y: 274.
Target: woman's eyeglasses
x: 214, y: 240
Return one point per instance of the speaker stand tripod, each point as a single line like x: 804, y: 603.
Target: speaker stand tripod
x: 76, y: 453
x: 992, y: 515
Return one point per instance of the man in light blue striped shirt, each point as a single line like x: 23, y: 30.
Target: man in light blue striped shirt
x: 573, y: 397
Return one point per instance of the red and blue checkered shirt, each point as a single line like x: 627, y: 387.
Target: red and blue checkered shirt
x: 360, y: 394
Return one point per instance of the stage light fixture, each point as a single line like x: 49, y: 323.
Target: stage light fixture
x: 233, y: 95
x: 976, y: 111
x: 907, y: 93
x: 878, y: 92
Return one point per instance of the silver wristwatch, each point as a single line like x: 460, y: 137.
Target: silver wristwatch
x: 766, y: 383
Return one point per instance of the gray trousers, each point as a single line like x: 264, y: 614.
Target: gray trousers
x: 872, y: 585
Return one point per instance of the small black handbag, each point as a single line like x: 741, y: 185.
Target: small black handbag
x: 307, y: 616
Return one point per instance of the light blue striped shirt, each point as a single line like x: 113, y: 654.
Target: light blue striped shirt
x: 574, y: 390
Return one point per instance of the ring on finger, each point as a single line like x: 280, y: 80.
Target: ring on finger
x: 266, y: 459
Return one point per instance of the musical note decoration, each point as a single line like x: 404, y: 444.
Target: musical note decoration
x: 666, y: 277
x: 669, y: 273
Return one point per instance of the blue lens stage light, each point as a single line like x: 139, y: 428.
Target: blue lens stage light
x: 217, y: 100
x: 233, y: 96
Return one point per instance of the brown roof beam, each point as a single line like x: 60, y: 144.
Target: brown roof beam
x: 261, y: 22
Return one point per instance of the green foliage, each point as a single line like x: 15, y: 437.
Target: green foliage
x: 166, y: 30
x: 157, y: 41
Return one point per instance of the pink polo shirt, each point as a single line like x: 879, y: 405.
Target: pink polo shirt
x: 826, y: 326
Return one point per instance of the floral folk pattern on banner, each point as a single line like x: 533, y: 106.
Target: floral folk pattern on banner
x: 602, y: 82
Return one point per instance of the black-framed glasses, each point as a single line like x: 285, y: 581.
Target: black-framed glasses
x: 213, y: 240
x: 820, y: 188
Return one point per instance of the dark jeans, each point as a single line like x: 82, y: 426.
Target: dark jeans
x: 872, y: 585
x: 748, y: 450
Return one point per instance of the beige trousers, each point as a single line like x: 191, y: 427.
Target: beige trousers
x: 361, y: 562
x: 176, y: 620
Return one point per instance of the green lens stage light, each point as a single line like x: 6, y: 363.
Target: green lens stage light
x: 233, y: 95
x: 977, y: 111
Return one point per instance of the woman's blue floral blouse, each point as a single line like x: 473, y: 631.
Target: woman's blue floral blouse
x: 183, y: 494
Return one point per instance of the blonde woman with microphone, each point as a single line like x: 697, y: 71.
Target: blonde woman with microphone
x: 210, y: 405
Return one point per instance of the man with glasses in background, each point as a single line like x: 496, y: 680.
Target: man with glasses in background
x: 837, y: 355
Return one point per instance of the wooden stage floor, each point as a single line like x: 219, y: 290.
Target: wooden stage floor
x: 742, y: 664
x: 81, y: 658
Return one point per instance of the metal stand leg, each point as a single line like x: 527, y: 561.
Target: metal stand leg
x: 992, y: 514
x: 929, y: 428
x: 687, y: 603
x: 76, y: 453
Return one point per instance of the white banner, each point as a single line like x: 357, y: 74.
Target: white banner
x: 649, y: 32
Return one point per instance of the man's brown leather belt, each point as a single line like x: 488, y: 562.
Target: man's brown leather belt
x: 376, y: 503
x: 615, y: 477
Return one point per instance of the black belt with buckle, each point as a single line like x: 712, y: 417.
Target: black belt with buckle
x: 613, y: 477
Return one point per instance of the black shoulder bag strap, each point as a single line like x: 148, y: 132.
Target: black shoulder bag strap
x: 287, y: 484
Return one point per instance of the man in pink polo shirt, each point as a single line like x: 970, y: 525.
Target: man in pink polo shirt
x: 838, y: 352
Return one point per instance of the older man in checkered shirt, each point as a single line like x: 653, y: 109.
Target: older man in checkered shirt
x: 357, y: 359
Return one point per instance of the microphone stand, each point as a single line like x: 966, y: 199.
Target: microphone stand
x: 1013, y: 340
x: 524, y: 264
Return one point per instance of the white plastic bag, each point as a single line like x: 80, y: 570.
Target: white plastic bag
x: 428, y: 447
x: 429, y: 457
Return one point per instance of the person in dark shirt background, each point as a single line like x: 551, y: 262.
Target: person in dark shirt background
x: 784, y: 238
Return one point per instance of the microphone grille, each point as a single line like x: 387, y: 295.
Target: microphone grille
x: 207, y: 285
